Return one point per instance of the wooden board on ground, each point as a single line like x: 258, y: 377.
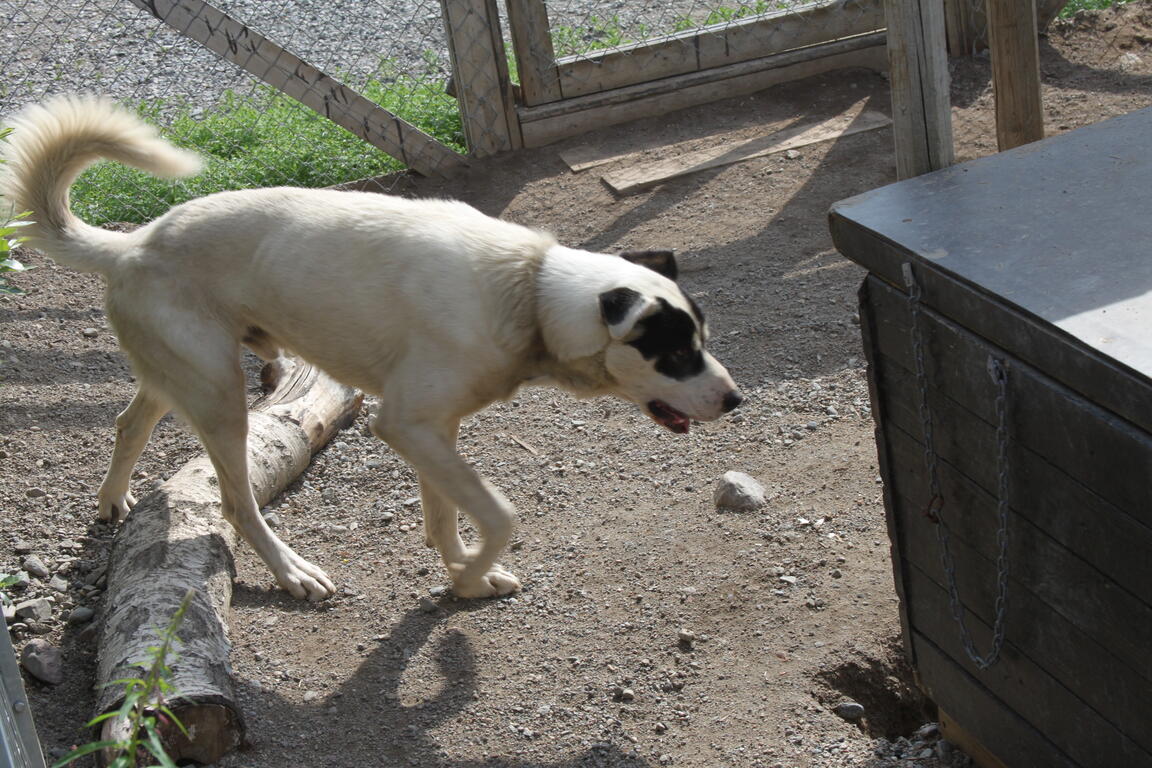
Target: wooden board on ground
x: 855, y: 120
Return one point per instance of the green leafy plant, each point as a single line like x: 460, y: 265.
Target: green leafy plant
x: 144, y: 709
x: 10, y: 223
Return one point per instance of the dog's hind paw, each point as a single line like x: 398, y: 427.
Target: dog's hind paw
x: 494, y: 583
x: 114, y: 507
x: 305, y: 581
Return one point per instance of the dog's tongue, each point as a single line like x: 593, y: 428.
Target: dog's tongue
x: 669, y: 417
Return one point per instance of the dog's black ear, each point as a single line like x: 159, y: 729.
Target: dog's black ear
x: 662, y: 262
x: 621, y: 308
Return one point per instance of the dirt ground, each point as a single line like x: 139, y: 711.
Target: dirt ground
x: 620, y: 547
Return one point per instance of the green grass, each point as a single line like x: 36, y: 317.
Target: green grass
x: 1087, y: 5
x: 263, y: 140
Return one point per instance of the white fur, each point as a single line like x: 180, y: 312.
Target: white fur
x: 430, y: 305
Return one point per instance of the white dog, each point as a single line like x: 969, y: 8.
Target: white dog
x: 433, y: 307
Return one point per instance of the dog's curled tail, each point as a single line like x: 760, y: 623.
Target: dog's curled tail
x: 50, y: 145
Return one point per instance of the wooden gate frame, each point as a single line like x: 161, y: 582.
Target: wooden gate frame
x: 566, y: 96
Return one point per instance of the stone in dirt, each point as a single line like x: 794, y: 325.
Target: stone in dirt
x: 849, y: 710
x: 35, y: 566
x: 35, y: 610
x: 43, y: 661
x: 738, y: 491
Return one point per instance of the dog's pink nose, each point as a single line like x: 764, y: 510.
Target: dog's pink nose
x: 732, y: 400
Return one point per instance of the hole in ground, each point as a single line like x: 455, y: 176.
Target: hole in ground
x: 883, y: 684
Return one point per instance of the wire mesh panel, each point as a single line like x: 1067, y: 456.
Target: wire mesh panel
x: 391, y: 54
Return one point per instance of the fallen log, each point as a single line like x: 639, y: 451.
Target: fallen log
x: 175, y: 540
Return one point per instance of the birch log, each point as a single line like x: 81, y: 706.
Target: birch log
x: 175, y: 540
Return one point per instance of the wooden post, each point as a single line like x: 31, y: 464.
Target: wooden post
x: 535, y: 56
x: 1015, y: 72
x: 964, y: 26
x: 175, y: 540
x: 480, y: 70
x: 918, y: 69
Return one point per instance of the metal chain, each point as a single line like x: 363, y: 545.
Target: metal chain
x: 999, y: 373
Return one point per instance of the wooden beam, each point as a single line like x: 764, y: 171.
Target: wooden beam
x: 717, y: 45
x: 571, y: 117
x: 918, y: 71
x: 535, y: 56
x: 1015, y: 72
x: 480, y: 70
x: 964, y: 27
x: 629, y: 180
x: 259, y: 56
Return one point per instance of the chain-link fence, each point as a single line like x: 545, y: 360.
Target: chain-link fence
x: 389, y: 54
x: 316, y: 92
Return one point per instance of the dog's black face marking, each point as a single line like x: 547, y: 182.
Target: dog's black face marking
x: 660, y: 262
x: 614, y: 304
x: 668, y: 337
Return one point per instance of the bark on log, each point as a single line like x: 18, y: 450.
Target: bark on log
x: 175, y: 540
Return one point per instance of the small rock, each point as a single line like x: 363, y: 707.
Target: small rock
x: 35, y: 493
x: 789, y: 580
x: 686, y: 637
x: 34, y: 610
x: 849, y: 710
x: 91, y: 333
x: 58, y: 584
x: 311, y: 696
x: 428, y: 606
x: 738, y: 491
x: 438, y: 591
x: 43, y: 661
x: 35, y: 566
x: 792, y: 154
x: 81, y: 615
x: 23, y: 547
x: 273, y: 520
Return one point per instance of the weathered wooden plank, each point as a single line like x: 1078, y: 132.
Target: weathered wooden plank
x: 552, y: 122
x: 480, y: 69
x: 1015, y: 71
x: 1001, y: 730
x: 918, y: 70
x: 786, y: 30
x: 629, y: 180
x: 284, y: 71
x: 1091, y: 528
x: 1070, y: 585
x: 885, y: 461
x: 959, y: 736
x: 535, y: 56
x: 717, y: 45
x: 1030, y: 685
x: 1089, y: 444
x: 1044, y: 656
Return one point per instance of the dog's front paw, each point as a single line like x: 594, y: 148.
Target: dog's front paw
x: 303, y: 580
x: 114, y: 506
x: 496, y: 582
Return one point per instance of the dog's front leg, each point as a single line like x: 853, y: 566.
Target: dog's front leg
x: 447, y: 483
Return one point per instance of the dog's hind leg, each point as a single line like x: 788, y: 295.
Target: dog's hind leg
x: 447, y: 483
x: 199, y: 375
x: 133, y: 428
x: 221, y: 421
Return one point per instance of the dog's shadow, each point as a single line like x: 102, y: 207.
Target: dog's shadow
x: 375, y: 720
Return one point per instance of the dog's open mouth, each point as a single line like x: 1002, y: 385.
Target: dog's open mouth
x: 668, y: 416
